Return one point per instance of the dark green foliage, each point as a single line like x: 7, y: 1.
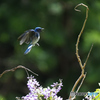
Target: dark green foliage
x: 55, y: 58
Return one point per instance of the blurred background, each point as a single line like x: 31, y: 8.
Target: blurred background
x: 55, y: 58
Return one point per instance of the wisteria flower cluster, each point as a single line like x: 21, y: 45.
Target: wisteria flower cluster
x: 37, y: 92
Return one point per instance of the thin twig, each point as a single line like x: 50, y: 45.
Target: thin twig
x: 81, y: 83
x: 83, y: 75
x: 13, y: 69
x: 77, y: 54
x: 87, y: 57
x: 78, y: 80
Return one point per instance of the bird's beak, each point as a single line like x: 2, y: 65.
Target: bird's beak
x: 42, y: 29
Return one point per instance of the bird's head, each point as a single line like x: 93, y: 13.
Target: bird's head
x: 38, y: 29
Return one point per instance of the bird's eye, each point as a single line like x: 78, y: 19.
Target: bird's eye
x: 39, y: 30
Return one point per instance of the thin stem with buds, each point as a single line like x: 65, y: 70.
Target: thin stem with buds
x: 83, y: 74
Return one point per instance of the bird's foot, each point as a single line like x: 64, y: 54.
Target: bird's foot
x: 37, y: 44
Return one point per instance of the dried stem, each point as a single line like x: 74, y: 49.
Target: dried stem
x: 83, y: 75
x: 81, y: 83
x: 88, y: 56
x: 77, y: 54
x: 13, y: 69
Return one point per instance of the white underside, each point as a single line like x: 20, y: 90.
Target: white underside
x: 35, y: 41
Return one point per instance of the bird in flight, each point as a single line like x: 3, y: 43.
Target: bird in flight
x: 30, y: 37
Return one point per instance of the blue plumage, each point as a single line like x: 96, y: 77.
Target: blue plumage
x: 28, y: 49
x: 30, y: 36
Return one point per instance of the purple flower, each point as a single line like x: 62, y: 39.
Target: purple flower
x: 37, y: 92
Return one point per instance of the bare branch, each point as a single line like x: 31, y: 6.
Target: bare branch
x: 81, y: 83
x: 77, y: 54
x: 76, y: 83
x: 83, y: 75
x: 87, y: 57
x: 13, y: 69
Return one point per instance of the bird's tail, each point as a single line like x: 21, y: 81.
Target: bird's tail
x: 28, y: 49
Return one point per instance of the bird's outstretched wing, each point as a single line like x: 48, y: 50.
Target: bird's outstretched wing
x: 26, y: 36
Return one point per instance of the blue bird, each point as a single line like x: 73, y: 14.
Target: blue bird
x: 30, y: 36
